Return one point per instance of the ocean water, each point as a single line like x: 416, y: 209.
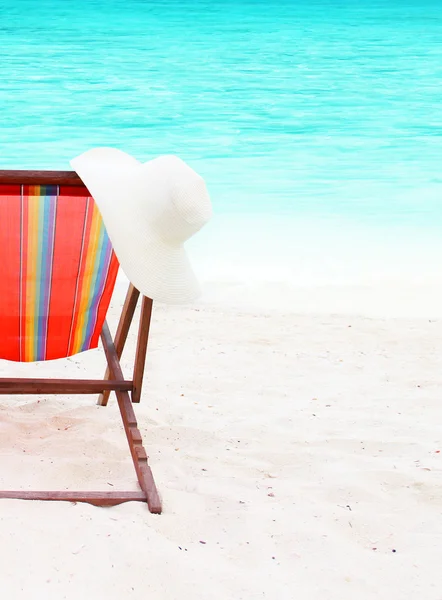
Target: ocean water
x: 309, y: 120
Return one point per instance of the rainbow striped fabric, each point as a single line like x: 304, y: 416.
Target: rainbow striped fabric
x: 57, y: 272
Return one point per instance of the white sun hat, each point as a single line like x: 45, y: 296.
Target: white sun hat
x: 149, y: 210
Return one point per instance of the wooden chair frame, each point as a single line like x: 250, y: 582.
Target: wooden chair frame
x: 127, y: 391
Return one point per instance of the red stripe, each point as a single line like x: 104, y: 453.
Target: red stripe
x: 67, y: 246
x: 10, y: 190
x: 10, y: 272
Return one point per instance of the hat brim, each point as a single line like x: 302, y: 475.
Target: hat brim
x: 165, y: 274
x: 158, y: 270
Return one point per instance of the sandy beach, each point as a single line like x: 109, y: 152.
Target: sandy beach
x: 298, y: 455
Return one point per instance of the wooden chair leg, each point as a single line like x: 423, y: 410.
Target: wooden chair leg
x: 139, y: 456
x: 140, y: 357
x: 124, y: 324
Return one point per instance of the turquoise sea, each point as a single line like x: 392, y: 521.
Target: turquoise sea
x: 308, y: 111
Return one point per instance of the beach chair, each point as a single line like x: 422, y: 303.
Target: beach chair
x: 57, y: 275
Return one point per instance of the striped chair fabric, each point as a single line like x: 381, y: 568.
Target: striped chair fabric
x: 57, y: 272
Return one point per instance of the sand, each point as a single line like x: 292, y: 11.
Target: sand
x: 298, y: 454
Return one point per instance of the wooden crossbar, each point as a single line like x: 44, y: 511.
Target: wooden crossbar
x: 61, y: 386
x: 95, y: 498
